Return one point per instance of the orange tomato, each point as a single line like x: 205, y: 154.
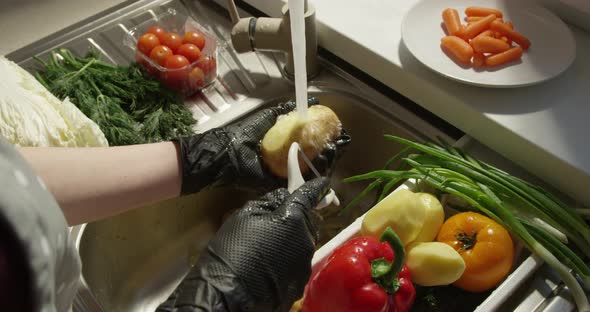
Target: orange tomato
x: 486, y: 248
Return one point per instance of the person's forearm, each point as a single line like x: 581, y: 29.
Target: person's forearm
x: 94, y: 183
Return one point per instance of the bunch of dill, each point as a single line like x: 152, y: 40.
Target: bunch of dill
x: 128, y: 106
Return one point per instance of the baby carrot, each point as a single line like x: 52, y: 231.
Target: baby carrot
x: 504, y: 57
x: 471, y: 19
x: 498, y: 35
x: 487, y: 33
x: 451, y: 20
x: 486, y: 44
x: 479, y: 11
x: 479, y: 59
x: 515, y: 36
x: 476, y: 27
x: 458, y: 47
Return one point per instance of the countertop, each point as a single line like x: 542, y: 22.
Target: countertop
x: 25, y: 21
x: 542, y: 128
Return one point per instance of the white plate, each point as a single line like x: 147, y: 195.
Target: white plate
x: 552, y: 50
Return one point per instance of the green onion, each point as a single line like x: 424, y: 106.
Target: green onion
x: 531, y: 213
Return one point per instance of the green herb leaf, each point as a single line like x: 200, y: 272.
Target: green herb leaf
x: 128, y: 106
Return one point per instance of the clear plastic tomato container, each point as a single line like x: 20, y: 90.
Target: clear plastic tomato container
x: 189, y: 78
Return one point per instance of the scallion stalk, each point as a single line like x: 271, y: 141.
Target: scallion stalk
x: 506, y: 199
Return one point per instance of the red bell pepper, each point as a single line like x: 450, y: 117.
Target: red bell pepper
x: 359, y: 276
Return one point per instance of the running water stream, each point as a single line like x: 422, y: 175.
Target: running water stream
x: 296, y: 16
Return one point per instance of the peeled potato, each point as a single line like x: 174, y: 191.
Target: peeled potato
x: 435, y: 217
x: 434, y: 264
x: 313, y: 135
x: 402, y: 210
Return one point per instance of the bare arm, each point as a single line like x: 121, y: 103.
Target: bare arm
x: 94, y: 183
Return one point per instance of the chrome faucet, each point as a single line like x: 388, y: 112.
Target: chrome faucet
x: 251, y: 33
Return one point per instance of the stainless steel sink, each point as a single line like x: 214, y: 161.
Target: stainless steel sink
x: 134, y: 260
x: 131, y: 262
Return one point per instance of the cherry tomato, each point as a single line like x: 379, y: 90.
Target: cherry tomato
x: 196, y: 78
x: 206, y: 63
x: 177, y: 71
x: 147, y: 42
x: 158, y: 31
x: 172, y: 40
x: 175, y: 61
x: 486, y: 248
x: 195, y: 38
x: 190, y: 51
x: 160, y: 53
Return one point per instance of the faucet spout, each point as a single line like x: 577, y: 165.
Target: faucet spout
x: 263, y: 33
x: 233, y: 11
x: 272, y: 34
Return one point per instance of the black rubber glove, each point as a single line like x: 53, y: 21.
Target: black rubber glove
x: 230, y: 155
x: 260, y: 259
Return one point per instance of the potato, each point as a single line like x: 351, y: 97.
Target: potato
x: 434, y: 264
x: 402, y: 210
x: 435, y: 216
x: 313, y: 135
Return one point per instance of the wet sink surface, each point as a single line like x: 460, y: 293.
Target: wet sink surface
x: 131, y: 262
x: 134, y: 260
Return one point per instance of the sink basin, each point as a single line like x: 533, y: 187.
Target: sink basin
x: 131, y: 262
x: 134, y: 260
